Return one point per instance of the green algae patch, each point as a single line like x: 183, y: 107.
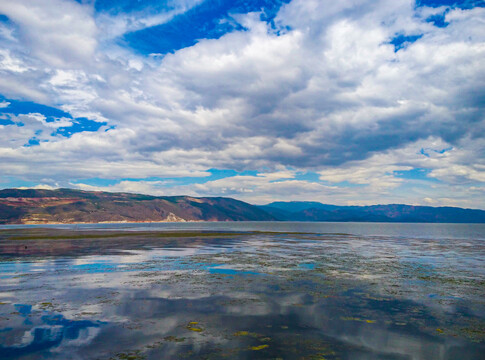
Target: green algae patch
x: 88, y: 313
x: 259, y: 347
x: 259, y: 337
x: 112, y: 235
x: 46, y: 306
x: 474, y: 333
x: 80, y: 235
x: 172, y: 338
x: 368, y: 321
x: 130, y: 355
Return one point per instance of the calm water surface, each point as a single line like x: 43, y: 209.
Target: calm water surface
x: 243, y: 291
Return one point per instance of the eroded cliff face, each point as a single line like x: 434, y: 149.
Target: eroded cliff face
x: 75, y: 206
x: 174, y: 218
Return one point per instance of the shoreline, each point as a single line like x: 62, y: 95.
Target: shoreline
x: 107, y: 222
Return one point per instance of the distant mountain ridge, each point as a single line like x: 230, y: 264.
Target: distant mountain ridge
x: 33, y: 206
x: 315, y: 211
x: 30, y: 206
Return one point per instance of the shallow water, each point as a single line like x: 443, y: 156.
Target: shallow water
x: 337, y: 291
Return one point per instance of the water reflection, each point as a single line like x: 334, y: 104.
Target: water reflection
x: 45, y: 333
x: 286, y: 296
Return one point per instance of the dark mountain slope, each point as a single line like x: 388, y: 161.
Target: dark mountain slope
x: 75, y: 206
x: 311, y: 211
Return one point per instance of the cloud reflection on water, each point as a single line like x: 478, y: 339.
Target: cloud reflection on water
x: 302, y: 295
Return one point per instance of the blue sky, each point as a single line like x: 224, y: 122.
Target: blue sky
x: 349, y: 102
x: 210, y: 19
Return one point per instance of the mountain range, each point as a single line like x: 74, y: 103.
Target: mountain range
x: 35, y: 206
x: 314, y: 211
x: 76, y: 206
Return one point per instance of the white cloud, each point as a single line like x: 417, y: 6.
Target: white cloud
x: 137, y: 187
x: 54, y: 124
x: 41, y: 186
x: 114, y: 25
x: 60, y: 33
x: 10, y: 63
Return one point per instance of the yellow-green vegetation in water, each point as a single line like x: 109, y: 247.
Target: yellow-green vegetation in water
x: 194, y: 329
x: 321, y: 356
x: 259, y: 347
x: 357, y: 319
x: 192, y: 326
x: 260, y: 337
x: 241, y: 333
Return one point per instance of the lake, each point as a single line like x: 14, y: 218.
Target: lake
x: 247, y: 290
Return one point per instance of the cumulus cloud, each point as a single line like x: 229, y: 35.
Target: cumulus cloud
x: 323, y: 88
x: 59, y: 33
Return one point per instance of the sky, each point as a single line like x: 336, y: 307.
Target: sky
x: 349, y: 102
